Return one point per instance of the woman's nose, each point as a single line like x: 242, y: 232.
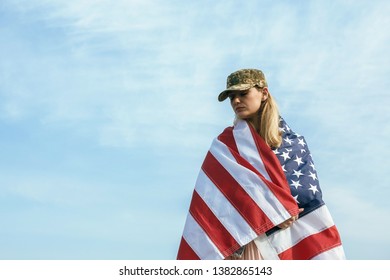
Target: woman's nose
x: 235, y: 100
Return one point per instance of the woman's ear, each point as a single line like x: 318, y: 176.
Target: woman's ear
x: 265, y: 94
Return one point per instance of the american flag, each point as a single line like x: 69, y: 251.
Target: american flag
x: 244, y: 189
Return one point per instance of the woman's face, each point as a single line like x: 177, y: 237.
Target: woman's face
x: 247, y: 103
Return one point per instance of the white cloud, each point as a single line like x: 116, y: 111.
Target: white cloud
x: 82, y: 85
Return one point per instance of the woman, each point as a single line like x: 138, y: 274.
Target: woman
x: 245, y: 202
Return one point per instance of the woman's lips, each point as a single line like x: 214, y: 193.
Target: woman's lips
x: 237, y: 109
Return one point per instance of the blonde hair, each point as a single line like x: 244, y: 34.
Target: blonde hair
x: 268, y: 122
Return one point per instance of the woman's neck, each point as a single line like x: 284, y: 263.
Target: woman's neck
x: 255, y: 122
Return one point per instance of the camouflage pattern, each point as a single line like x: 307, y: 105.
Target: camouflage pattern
x: 242, y: 80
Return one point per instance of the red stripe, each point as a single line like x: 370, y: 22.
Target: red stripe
x: 269, y: 159
x: 313, y: 245
x: 275, y: 172
x: 236, y: 195
x: 281, y: 192
x: 227, y: 138
x: 215, y: 230
x: 185, y: 251
x: 279, y: 185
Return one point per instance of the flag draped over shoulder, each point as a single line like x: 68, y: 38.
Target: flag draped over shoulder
x: 244, y: 189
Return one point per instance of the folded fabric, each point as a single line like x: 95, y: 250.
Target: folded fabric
x: 244, y: 190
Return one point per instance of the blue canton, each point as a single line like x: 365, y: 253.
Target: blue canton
x: 298, y: 166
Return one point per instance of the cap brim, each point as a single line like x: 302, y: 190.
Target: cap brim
x: 224, y: 94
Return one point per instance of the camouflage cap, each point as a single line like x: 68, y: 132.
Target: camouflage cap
x: 242, y: 80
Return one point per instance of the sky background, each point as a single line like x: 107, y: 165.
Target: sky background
x: 107, y: 109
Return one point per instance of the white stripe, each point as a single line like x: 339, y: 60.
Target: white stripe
x: 199, y: 241
x: 247, y: 147
x: 312, y: 223
x: 266, y: 249
x: 251, y: 183
x: 224, y: 210
x: 337, y: 253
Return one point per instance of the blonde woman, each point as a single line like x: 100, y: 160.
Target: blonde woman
x: 257, y: 195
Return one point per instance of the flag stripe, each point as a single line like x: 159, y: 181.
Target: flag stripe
x: 312, y: 245
x: 236, y: 194
x: 240, y: 159
x: 224, y: 210
x: 212, y: 226
x: 186, y: 252
x: 334, y: 253
x: 282, y: 193
x: 273, y: 209
x: 270, y: 161
x: 248, y: 149
x: 199, y: 241
x: 228, y: 139
x: 257, y: 153
x: 317, y: 227
x: 312, y: 223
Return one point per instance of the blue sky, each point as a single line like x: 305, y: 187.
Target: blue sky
x: 107, y: 109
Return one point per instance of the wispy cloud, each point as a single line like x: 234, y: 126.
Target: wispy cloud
x: 124, y: 69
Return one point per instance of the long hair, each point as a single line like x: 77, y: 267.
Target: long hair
x: 268, y: 122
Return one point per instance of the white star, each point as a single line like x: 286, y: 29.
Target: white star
x: 285, y: 156
x: 276, y: 152
x: 303, y: 151
x: 296, y: 184
x: 284, y: 169
x: 313, y: 189
x: 301, y: 142
x: 298, y: 160
x: 288, y: 129
x: 313, y: 175
x: 296, y: 198
x: 288, y: 140
x: 282, y: 129
x: 297, y: 173
x: 312, y: 165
